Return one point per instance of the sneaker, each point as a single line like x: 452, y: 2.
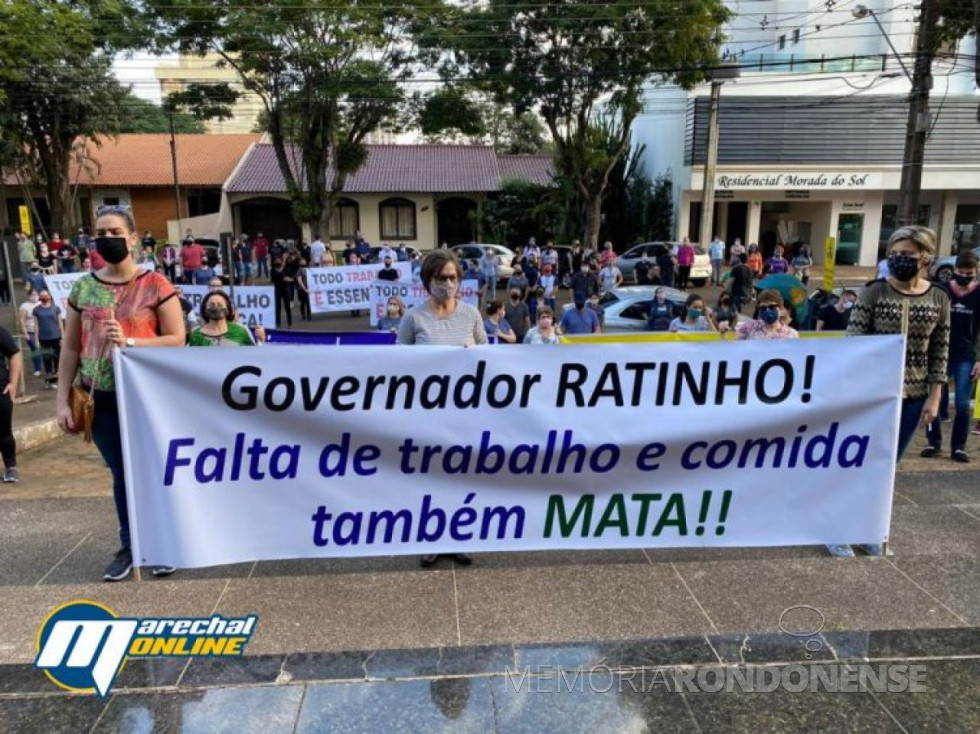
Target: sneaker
x: 959, y: 455
x: 37, y: 373
x: 976, y: 430
x: 162, y: 570
x: 428, y: 561
x: 463, y: 559
x: 873, y: 549
x: 929, y: 452
x: 11, y: 475
x: 120, y: 567
x: 840, y: 551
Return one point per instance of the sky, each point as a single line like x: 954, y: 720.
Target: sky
x: 139, y: 72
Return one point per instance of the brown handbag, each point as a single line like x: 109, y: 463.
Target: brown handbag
x: 82, y: 405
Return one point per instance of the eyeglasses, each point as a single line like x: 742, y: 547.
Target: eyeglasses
x: 446, y: 279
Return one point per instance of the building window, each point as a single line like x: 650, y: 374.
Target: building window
x: 397, y: 219
x: 782, y: 42
x: 796, y: 36
x: 203, y: 201
x: 345, y: 220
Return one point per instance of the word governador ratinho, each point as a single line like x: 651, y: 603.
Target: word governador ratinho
x: 621, y: 384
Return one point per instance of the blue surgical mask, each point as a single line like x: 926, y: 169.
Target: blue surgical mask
x: 769, y: 315
x: 694, y: 313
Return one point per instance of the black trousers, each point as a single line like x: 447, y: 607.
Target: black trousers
x: 8, y: 447
x: 283, y: 300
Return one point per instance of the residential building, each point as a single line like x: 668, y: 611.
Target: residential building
x: 812, y: 134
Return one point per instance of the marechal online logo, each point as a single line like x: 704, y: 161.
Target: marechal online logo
x: 83, y: 645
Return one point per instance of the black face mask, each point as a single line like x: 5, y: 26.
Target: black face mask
x: 963, y: 280
x: 112, y: 249
x: 903, y: 267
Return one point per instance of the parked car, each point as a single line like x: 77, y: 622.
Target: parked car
x: 941, y: 269
x: 700, y: 272
x: 474, y: 251
x: 626, y: 308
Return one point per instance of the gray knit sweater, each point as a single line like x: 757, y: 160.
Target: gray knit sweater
x: 879, y: 311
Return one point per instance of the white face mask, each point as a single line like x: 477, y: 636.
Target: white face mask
x: 442, y: 291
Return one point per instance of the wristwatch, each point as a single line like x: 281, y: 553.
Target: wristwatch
x: 130, y: 342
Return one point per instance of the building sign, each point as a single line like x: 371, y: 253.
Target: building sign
x: 852, y: 206
x: 804, y: 194
x: 724, y: 194
x: 806, y: 180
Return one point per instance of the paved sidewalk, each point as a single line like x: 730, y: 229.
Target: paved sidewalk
x: 381, y: 645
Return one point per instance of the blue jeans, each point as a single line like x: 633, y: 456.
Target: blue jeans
x: 959, y: 371
x: 909, y: 423
x: 108, y: 439
x: 261, y: 266
x: 491, y: 287
x: 716, y: 267
x: 35, y: 352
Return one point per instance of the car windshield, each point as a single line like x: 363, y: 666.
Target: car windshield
x: 608, y: 298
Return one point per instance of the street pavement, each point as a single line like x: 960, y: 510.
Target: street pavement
x: 535, y: 642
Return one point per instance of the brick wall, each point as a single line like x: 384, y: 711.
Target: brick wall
x: 154, y: 206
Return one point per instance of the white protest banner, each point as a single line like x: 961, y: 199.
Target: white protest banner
x: 303, y: 452
x: 59, y: 286
x: 347, y: 287
x: 413, y: 294
x: 255, y: 303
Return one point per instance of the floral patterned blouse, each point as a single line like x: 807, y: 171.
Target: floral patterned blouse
x: 134, y: 305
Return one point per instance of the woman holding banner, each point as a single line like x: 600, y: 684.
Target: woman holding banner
x: 907, y: 303
x: 442, y: 319
x: 118, y: 305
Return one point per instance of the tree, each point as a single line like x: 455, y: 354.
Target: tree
x: 57, y: 91
x: 142, y: 116
x: 521, y: 210
x: 569, y: 58
x: 327, y: 74
x: 453, y: 114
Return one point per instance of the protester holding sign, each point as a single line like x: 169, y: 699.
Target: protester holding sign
x: 908, y: 303
x: 443, y: 319
x: 218, y: 327
x: 120, y: 305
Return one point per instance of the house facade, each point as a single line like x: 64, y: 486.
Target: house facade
x: 421, y: 195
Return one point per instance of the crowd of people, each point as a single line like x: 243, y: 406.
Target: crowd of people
x: 123, y: 305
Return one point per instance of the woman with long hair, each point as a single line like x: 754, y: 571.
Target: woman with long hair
x: 117, y: 306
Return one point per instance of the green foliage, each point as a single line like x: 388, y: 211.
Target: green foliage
x: 326, y: 72
x: 568, y: 58
x: 454, y: 115
x: 57, y: 88
x: 203, y: 101
x: 142, y: 116
x: 519, y: 211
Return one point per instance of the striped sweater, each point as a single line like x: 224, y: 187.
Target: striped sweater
x: 879, y: 311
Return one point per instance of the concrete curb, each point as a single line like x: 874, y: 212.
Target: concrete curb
x: 36, y: 434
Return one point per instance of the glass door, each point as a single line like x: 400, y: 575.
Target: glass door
x: 849, y: 230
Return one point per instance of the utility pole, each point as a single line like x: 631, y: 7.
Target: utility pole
x: 919, y: 120
x: 173, y: 162
x: 718, y: 76
x: 710, y: 163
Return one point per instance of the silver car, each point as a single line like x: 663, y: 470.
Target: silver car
x: 626, y: 308
x: 475, y: 251
x: 942, y: 267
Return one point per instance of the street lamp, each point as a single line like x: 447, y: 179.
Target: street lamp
x: 919, y: 120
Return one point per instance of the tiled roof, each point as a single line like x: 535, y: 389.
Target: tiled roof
x: 536, y: 168
x: 397, y: 168
x: 144, y: 160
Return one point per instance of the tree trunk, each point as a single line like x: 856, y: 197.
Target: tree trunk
x: 593, y: 219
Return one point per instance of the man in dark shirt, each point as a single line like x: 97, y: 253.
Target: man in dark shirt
x: 666, y: 262
x: 388, y: 272
x: 835, y: 316
x: 641, y: 272
x: 584, y: 281
x: 518, y: 314
x: 964, y: 356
